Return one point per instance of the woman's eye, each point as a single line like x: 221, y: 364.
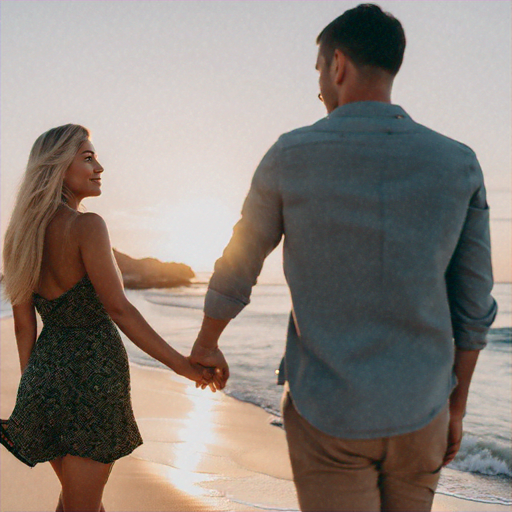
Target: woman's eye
x: 88, y: 159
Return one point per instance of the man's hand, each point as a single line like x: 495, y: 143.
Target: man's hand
x: 454, y: 439
x: 211, y: 358
x: 464, y: 365
x: 199, y: 374
x: 207, y: 353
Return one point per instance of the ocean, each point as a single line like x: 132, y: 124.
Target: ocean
x: 254, y: 342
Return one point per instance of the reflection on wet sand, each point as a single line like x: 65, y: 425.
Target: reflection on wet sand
x: 196, y: 432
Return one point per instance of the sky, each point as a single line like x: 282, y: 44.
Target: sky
x: 183, y: 98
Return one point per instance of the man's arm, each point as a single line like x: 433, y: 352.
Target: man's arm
x: 256, y: 234
x: 469, y: 283
x: 206, y: 350
x: 465, y: 363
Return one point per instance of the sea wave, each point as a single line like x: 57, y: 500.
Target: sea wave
x: 491, y: 500
x: 476, y: 455
x: 5, y: 309
x: 176, y: 301
x: 501, y: 335
x: 484, y: 457
x: 475, y: 487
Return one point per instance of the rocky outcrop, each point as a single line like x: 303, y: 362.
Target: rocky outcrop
x: 152, y: 273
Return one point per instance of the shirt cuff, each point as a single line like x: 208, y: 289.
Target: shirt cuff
x: 220, y: 306
x: 471, y: 335
x: 469, y: 341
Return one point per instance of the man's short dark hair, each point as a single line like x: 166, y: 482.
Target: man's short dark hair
x: 367, y: 36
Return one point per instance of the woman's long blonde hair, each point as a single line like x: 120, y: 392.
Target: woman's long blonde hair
x: 40, y: 194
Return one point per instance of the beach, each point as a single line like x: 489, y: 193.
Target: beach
x: 202, y: 451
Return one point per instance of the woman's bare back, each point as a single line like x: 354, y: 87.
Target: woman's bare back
x: 62, y: 266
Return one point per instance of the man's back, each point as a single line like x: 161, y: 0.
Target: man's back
x: 372, y: 207
x: 387, y: 256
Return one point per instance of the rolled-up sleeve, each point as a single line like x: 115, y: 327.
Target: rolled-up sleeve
x: 254, y: 237
x: 469, y: 277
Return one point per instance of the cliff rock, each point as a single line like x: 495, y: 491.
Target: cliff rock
x: 152, y: 273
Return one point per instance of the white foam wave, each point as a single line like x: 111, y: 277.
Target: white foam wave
x: 483, y: 457
x: 177, y: 302
x: 5, y: 314
x: 493, y: 500
x: 5, y: 309
x: 262, y: 507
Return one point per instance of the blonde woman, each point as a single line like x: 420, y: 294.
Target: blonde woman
x: 73, y: 406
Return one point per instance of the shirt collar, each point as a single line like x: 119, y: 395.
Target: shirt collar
x: 369, y: 109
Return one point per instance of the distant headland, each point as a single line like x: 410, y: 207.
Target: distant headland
x: 139, y: 274
x: 152, y: 273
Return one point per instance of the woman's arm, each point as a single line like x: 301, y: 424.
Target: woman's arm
x: 25, y: 330
x: 97, y: 256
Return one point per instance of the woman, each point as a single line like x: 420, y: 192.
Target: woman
x: 73, y: 406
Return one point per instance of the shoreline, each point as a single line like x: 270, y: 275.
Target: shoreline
x: 198, y: 452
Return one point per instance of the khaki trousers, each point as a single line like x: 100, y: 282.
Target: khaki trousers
x: 392, y: 474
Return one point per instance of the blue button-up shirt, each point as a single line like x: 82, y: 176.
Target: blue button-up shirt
x: 387, y: 256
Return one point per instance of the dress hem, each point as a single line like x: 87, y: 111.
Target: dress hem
x: 8, y: 443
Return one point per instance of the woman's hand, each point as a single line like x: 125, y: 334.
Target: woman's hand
x: 211, y: 358
x: 201, y: 375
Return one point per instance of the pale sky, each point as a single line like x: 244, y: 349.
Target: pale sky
x: 183, y: 98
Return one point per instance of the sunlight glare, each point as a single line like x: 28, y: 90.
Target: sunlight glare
x: 195, y: 435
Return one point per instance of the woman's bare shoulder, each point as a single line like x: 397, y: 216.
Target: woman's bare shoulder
x: 90, y: 227
x: 89, y: 220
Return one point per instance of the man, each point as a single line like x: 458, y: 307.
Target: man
x: 387, y: 256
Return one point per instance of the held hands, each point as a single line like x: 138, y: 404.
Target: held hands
x: 199, y: 374
x: 206, y: 353
x: 211, y: 359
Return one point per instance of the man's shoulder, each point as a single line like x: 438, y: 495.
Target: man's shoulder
x: 321, y: 130
x: 424, y: 139
x: 444, y: 142
x: 303, y: 135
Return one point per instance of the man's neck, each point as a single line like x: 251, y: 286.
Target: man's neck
x: 362, y: 94
x: 369, y: 86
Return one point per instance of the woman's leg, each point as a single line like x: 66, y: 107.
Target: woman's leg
x: 57, y: 466
x: 83, y: 481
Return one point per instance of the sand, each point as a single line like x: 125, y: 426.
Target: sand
x: 202, y: 452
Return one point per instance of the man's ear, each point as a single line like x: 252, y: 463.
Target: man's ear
x: 338, y: 66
